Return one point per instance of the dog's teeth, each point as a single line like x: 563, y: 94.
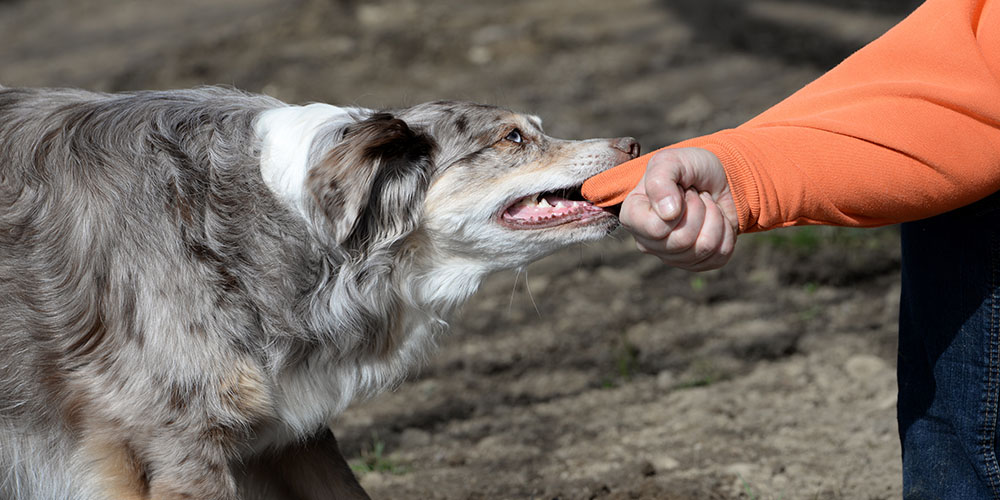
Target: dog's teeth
x: 534, y: 198
x: 544, y: 203
x: 560, y: 204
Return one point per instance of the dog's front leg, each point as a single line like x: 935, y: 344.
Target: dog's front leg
x: 311, y: 470
x: 161, y: 463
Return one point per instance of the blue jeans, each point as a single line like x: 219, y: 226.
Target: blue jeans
x: 949, y: 354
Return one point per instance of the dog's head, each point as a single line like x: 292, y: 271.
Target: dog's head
x: 479, y: 182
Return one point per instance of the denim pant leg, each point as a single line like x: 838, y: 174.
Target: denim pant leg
x: 949, y: 354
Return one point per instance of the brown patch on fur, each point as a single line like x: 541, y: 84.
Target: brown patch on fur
x: 223, y: 435
x: 120, y: 472
x: 244, y: 390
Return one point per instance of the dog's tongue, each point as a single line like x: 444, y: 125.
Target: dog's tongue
x: 549, y: 206
x: 525, y: 211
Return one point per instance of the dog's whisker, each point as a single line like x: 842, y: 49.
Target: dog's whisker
x: 527, y: 286
x: 513, y: 289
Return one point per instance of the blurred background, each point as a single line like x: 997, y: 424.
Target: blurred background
x: 597, y: 372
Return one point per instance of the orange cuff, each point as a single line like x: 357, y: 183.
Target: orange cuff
x: 611, y: 186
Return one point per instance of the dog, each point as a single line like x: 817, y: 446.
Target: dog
x: 193, y: 283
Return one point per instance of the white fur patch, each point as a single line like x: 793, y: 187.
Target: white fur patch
x: 287, y: 136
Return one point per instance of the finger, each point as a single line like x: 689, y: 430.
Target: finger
x: 719, y: 238
x: 728, y: 235
x: 685, y: 234
x: 639, y: 218
x: 729, y: 244
x: 660, y: 183
x: 712, y: 230
x: 679, y: 242
x: 706, y: 253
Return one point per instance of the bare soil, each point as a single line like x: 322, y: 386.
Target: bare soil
x: 597, y: 372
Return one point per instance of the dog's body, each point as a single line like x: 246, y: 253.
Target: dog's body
x: 193, y: 283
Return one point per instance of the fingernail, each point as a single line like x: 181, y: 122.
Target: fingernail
x: 667, y: 207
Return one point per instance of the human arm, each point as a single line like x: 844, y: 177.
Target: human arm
x: 906, y: 128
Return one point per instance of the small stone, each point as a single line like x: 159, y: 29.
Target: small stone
x: 743, y: 471
x: 665, y: 462
x: 864, y: 367
x: 666, y: 380
x: 480, y: 55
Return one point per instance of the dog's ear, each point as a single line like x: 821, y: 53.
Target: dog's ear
x: 370, y: 186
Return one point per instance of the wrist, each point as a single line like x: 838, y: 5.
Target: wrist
x: 742, y: 182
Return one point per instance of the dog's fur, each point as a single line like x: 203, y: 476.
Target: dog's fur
x: 193, y: 283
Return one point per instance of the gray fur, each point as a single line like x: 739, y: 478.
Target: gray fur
x: 115, y: 204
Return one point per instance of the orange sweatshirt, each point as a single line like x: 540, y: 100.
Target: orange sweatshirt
x: 906, y: 128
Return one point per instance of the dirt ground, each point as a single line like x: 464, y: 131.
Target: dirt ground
x: 597, y: 372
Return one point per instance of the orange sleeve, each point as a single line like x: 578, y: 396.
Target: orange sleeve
x: 906, y: 128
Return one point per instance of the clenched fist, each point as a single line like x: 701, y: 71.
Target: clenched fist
x: 682, y: 211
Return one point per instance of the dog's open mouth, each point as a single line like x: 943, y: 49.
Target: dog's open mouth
x: 550, y: 209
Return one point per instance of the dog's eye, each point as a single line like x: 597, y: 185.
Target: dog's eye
x: 514, y: 136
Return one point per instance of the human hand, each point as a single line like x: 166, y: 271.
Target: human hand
x: 683, y: 211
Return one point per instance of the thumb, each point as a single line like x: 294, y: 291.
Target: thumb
x: 662, y: 184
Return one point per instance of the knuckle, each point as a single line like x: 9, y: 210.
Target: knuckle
x: 659, y: 186
x: 666, y: 158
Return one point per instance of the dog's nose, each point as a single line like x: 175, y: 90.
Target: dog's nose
x: 626, y: 145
